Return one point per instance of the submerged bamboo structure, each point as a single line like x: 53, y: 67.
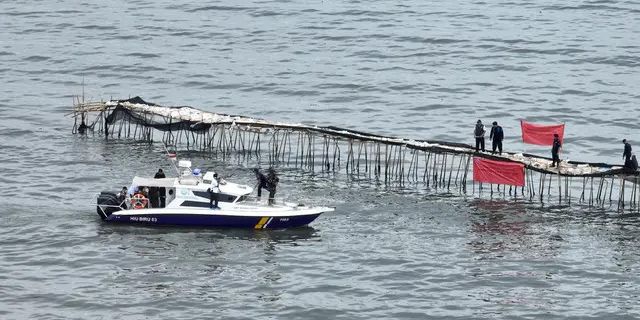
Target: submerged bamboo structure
x: 440, y: 166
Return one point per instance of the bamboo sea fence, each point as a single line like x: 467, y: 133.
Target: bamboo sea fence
x: 440, y: 166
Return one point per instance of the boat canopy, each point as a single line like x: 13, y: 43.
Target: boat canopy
x: 152, y: 182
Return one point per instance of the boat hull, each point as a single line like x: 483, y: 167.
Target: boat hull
x: 212, y: 219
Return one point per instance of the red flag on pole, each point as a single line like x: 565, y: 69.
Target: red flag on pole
x: 499, y: 172
x: 540, y: 134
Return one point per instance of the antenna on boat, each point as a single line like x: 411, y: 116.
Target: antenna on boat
x: 172, y: 156
x: 83, y: 88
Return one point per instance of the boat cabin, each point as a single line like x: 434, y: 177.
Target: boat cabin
x: 190, y: 189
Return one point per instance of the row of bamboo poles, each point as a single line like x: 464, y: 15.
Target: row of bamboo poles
x: 390, y: 163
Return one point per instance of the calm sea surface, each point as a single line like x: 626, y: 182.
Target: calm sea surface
x: 415, y: 69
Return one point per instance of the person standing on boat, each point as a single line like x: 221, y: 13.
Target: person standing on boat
x: 479, y: 134
x: 213, y: 192
x: 262, y: 181
x: 272, y: 183
x: 496, y: 136
x: 122, y: 196
x: 555, y: 149
x: 159, y: 174
x: 162, y: 192
x: 626, y: 154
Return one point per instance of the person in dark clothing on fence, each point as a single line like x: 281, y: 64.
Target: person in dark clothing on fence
x: 272, y: 183
x: 262, y: 181
x: 555, y: 149
x: 496, y: 136
x: 627, y: 153
x: 479, y: 134
x: 162, y: 192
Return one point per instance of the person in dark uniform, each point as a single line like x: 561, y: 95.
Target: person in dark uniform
x: 555, y: 149
x: 272, y: 183
x: 162, y: 192
x: 479, y: 134
x: 626, y: 154
x: 159, y: 174
x: 496, y: 136
x: 213, y: 197
x: 262, y: 181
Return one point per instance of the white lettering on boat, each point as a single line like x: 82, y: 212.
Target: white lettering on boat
x: 143, y: 219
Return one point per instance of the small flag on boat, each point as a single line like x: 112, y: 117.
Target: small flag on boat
x: 498, y: 172
x: 170, y: 153
x: 540, y: 134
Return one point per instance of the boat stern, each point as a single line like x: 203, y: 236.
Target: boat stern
x: 108, y: 203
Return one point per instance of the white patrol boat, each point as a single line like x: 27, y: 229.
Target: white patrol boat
x: 189, y: 203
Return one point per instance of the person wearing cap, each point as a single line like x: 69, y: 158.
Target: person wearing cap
x: 479, y: 134
x: 496, y: 136
x: 626, y: 154
x: 555, y: 149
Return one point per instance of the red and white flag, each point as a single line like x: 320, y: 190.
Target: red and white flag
x: 540, y: 134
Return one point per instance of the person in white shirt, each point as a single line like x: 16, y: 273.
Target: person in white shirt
x: 214, y: 191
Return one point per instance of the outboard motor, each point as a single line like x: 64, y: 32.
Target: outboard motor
x: 108, y: 203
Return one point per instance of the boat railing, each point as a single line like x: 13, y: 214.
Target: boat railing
x: 252, y: 199
x: 121, y: 205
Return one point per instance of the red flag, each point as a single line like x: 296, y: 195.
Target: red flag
x: 499, y: 172
x: 540, y: 134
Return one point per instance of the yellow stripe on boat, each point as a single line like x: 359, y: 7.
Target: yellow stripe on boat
x: 262, y: 221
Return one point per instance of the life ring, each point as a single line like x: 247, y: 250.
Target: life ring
x: 139, y: 201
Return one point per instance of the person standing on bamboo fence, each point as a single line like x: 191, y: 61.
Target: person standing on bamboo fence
x: 626, y: 155
x: 555, y: 149
x: 496, y: 136
x: 479, y: 134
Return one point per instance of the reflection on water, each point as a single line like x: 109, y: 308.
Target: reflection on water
x: 278, y: 235
x: 502, y: 228
x: 160, y: 237
x: 206, y: 264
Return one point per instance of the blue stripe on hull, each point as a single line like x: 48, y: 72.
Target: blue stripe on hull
x: 214, y: 220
